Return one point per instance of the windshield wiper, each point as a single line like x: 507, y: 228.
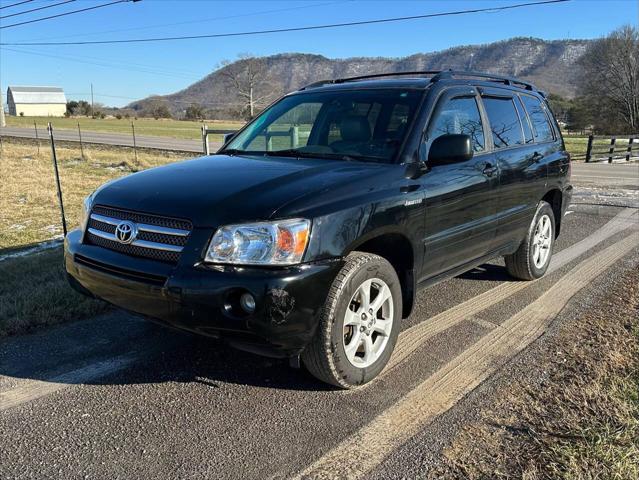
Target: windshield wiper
x: 291, y: 152
x: 232, y: 151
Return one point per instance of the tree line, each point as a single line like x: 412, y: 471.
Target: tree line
x: 607, y: 100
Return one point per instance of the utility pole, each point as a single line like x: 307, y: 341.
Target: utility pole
x: 3, y: 123
x: 92, y: 111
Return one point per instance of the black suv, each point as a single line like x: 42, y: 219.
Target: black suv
x: 308, y: 233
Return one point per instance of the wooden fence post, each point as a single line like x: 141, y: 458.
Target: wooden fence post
x: 205, y: 140
x: 135, y: 147
x: 35, y: 127
x: 631, y: 140
x: 613, y: 140
x: 57, y: 178
x: 589, y: 148
x: 81, y: 146
x: 295, y: 136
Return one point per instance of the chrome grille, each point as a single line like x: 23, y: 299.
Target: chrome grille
x: 159, y: 238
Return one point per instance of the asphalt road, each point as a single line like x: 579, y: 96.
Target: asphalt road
x: 105, y: 138
x: 118, y: 397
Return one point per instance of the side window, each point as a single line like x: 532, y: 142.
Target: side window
x: 524, y: 120
x: 504, y: 122
x: 541, y: 127
x: 458, y: 115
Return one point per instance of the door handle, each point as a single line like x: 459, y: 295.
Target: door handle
x: 537, y: 157
x: 489, y: 169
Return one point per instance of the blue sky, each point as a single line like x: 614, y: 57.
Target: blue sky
x: 121, y: 73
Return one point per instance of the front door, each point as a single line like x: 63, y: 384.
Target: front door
x: 459, y: 205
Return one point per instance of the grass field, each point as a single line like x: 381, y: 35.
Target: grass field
x: 143, y: 126
x: 34, y: 292
x: 29, y: 209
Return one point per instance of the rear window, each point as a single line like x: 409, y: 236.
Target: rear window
x: 504, y: 122
x: 540, y: 124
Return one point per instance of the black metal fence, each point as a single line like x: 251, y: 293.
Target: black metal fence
x: 608, y: 149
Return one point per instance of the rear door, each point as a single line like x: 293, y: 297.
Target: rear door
x: 460, y: 211
x: 522, y: 174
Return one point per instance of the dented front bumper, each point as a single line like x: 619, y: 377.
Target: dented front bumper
x: 203, y: 299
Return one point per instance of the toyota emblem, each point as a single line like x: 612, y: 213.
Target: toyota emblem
x: 126, y: 232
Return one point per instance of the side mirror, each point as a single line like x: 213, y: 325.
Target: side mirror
x: 228, y: 137
x: 450, y: 148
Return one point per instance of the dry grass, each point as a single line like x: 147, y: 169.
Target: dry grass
x: 576, y: 416
x: 29, y: 210
x: 34, y: 292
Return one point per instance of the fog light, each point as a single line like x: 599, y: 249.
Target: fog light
x: 247, y: 302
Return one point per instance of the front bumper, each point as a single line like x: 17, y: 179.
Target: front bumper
x: 204, y: 299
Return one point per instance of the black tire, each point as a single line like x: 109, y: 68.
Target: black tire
x: 521, y: 264
x: 325, y: 357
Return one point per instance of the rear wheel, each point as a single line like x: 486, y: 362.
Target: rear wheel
x: 532, y: 258
x: 359, y: 324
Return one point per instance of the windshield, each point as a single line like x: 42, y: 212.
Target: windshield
x: 367, y: 125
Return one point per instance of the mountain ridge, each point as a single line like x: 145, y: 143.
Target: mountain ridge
x: 550, y: 64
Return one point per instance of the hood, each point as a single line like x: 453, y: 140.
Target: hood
x: 223, y: 189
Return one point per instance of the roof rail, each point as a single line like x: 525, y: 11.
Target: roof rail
x: 436, y: 76
x: 366, y: 77
x: 444, y: 74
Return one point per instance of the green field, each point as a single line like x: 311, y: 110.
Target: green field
x: 143, y: 126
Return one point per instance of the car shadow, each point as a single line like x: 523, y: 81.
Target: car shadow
x: 488, y: 272
x: 141, y: 352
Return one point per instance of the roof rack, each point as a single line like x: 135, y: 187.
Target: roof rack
x: 436, y: 76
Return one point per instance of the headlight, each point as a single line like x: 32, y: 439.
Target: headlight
x: 87, y: 204
x: 265, y: 243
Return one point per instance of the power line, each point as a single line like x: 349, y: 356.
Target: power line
x: 189, y: 22
x: 128, y: 66
x: 36, y: 9
x: 66, y: 13
x: 293, y: 29
x: 15, y: 4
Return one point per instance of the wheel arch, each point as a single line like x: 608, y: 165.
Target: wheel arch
x: 554, y: 197
x: 398, y: 250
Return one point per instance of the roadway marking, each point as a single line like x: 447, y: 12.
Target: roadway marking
x: 412, y: 338
x: 29, y: 390
x: 605, y: 177
x: 364, y: 450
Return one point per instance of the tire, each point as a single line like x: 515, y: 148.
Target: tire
x: 345, y: 351
x: 532, y: 258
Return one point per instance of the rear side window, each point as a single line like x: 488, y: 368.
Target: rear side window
x: 504, y: 122
x: 458, y: 115
x: 524, y: 120
x: 541, y: 126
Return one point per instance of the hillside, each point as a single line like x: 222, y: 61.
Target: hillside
x: 548, y: 64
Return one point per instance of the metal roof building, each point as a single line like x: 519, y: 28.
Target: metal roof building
x: 36, y: 101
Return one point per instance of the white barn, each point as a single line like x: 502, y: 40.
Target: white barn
x: 36, y: 101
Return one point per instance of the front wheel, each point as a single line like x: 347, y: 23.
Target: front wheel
x: 532, y: 258
x: 359, y: 324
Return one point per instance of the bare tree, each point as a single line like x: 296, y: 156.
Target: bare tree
x: 611, y: 79
x: 247, y: 77
x: 157, y: 107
